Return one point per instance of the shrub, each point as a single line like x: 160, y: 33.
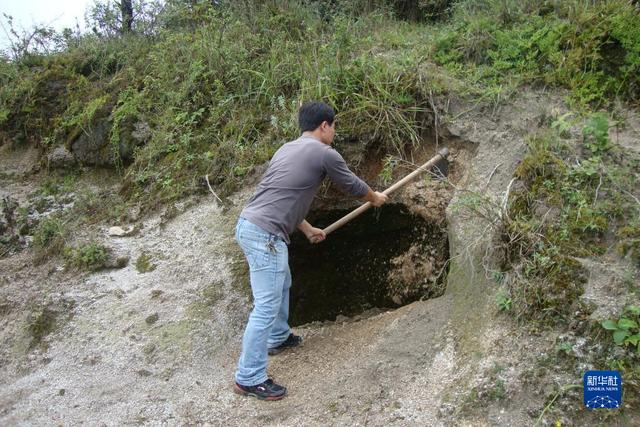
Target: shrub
x: 91, y: 256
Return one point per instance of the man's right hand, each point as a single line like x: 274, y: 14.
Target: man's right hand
x: 376, y: 198
x: 379, y: 199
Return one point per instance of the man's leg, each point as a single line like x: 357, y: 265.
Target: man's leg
x: 268, y: 270
x: 281, y: 329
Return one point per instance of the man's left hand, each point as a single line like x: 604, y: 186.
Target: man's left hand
x: 316, y: 235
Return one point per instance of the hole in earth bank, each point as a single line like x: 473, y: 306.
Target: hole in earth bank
x: 386, y: 258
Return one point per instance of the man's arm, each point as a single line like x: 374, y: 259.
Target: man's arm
x: 337, y: 170
x: 315, y: 235
x: 340, y: 174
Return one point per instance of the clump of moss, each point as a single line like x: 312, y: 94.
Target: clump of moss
x: 144, y: 263
x: 209, y: 297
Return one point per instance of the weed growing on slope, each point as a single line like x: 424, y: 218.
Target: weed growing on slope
x: 144, y: 263
x: 90, y: 256
x: 49, y: 237
x: 625, y: 334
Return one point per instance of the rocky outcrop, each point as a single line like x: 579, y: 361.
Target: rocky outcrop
x: 61, y: 157
x: 94, y: 147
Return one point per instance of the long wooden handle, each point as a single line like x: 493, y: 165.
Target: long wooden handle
x: 442, y: 154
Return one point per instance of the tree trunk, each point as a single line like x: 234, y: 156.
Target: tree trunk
x: 126, y: 8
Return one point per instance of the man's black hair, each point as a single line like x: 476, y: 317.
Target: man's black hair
x: 312, y: 114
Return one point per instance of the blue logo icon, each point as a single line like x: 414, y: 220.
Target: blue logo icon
x: 602, y: 389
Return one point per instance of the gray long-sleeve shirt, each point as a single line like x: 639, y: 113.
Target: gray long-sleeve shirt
x: 286, y: 191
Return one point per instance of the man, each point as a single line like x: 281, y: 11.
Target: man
x: 278, y: 207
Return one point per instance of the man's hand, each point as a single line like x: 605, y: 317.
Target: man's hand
x: 376, y: 198
x: 379, y: 200
x: 315, y: 235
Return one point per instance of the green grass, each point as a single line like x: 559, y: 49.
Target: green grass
x: 49, y: 237
x: 590, y: 48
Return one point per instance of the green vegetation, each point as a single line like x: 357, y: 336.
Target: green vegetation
x: 626, y: 331
x: 214, y: 90
x: 626, y: 335
x: 591, y: 48
x: 49, y: 237
x: 90, y: 256
x: 144, y: 263
x: 388, y: 166
x: 563, y: 212
x: 54, y: 185
x: 569, y: 208
x: 503, y: 301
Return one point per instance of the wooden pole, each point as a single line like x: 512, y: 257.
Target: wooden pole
x: 442, y: 155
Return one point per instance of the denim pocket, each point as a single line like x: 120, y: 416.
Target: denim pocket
x: 257, y: 255
x: 256, y: 248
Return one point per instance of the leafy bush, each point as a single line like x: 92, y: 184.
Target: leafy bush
x: 91, y: 256
x: 626, y: 330
x: 596, y: 133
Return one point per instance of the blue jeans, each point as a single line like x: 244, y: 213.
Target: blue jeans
x: 268, y: 258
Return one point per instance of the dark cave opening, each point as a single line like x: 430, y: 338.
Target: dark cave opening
x: 386, y: 258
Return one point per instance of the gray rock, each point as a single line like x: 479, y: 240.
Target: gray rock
x: 141, y: 132
x: 116, y: 231
x: 143, y: 373
x: 120, y: 232
x: 116, y: 260
x: 61, y: 157
x: 93, y: 148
